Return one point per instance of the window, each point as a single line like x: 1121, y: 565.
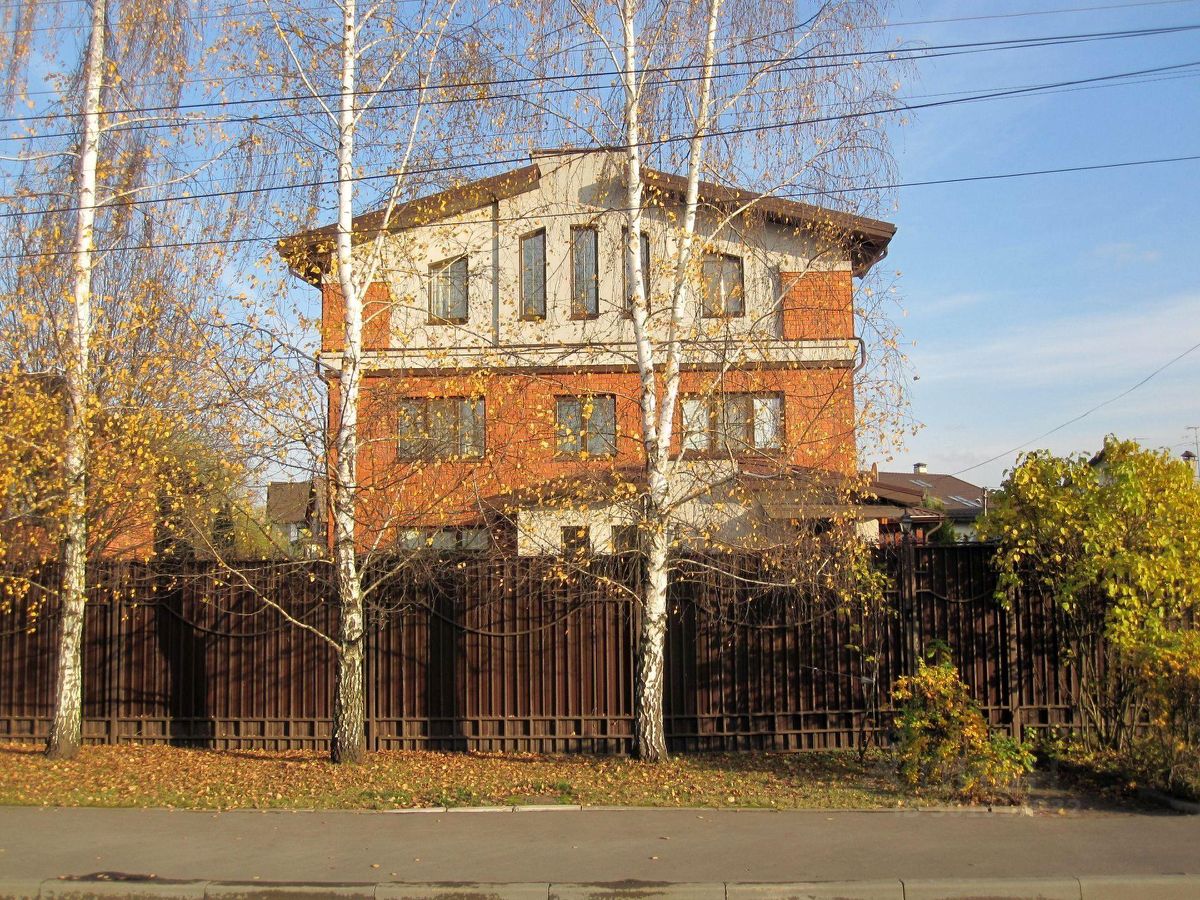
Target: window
x: 724, y: 293
x: 585, y: 273
x: 732, y: 423
x: 626, y: 539
x: 587, y: 425
x: 475, y: 540
x: 576, y: 541
x: 628, y: 288
x: 448, y: 291
x: 533, y: 275
x: 440, y: 427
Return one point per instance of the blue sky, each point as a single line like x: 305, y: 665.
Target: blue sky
x: 1028, y: 301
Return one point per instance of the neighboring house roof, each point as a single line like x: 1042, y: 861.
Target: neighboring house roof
x: 296, y: 502
x: 867, y: 238
x: 963, y: 500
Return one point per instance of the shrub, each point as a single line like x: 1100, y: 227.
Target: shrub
x: 944, y: 742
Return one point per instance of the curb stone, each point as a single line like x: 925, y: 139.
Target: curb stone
x: 1118, y: 887
x: 257, y: 890
x: 1122, y: 887
x: 88, y: 888
x: 818, y: 890
x: 992, y: 889
x: 1183, y: 806
x: 458, y: 891
x: 637, y: 890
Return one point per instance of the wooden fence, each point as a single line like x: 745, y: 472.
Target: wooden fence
x: 510, y: 655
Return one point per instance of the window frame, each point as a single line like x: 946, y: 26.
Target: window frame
x: 577, y: 311
x: 425, y: 451
x: 585, y: 431
x: 435, y: 270
x: 715, y: 418
x: 522, y: 314
x: 705, y: 306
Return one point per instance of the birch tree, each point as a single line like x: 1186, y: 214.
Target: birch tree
x: 372, y: 84
x: 788, y: 102
x: 109, y: 113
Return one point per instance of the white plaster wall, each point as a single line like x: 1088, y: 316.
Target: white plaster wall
x: 583, y: 189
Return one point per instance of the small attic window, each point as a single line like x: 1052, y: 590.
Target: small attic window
x: 921, y: 483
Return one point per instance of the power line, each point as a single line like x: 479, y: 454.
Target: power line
x: 1083, y: 415
x: 651, y: 142
x: 787, y: 196
x: 1007, y: 43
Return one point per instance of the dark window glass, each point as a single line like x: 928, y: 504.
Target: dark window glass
x: 625, y: 539
x: 448, y: 290
x: 576, y: 541
x: 585, y: 273
x: 533, y: 276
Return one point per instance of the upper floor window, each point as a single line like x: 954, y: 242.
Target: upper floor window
x: 585, y: 272
x: 587, y: 426
x: 732, y: 423
x: 533, y: 275
x: 441, y: 428
x: 724, y: 286
x: 448, y: 290
x: 644, y: 246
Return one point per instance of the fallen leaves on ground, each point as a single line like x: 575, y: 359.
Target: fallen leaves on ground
x: 133, y: 775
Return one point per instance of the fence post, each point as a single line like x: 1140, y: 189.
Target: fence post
x: 112, y: 695
x: 908, y: 571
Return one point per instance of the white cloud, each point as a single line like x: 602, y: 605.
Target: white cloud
x: 1096, y: 346
x: 1127, y: 253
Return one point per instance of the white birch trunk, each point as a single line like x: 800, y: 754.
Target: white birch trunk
x: 650, y: 736
x: 67, y: 725
x: 657, y: 416
x: 348, y: 743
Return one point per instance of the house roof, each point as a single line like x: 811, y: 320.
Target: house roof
x: 295, y: 502
x: 963, y: 500
x: 307, y: 252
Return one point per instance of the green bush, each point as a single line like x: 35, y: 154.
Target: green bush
x: 944, y: 743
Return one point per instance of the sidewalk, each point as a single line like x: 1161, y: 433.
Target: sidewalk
x: 537, y: 852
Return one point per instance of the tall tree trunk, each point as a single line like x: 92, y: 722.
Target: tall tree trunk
x: 349, y: 743
x: 651, y: 744
x: 66, y: 729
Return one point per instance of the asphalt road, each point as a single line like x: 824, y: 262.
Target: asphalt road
x: 592, y: 845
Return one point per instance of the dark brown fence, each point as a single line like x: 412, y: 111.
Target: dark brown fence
x: 511, y: 655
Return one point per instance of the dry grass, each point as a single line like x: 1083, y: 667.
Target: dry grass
x: 209, y: 779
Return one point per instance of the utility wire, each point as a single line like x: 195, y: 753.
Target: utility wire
x: 787, y: 196
x: 1083, y: 415
x: 651, y: 142
x: 1018, y: 43
x: 916, y: 54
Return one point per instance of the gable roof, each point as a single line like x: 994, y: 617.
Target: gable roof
x: 307, y: 252
x: 963, y: 500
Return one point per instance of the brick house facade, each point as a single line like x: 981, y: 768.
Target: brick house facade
x: 500, y: 359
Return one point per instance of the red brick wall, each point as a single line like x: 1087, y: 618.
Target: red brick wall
x: 817, y: 305
x: 377, y: 318
x: 520, y: 437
